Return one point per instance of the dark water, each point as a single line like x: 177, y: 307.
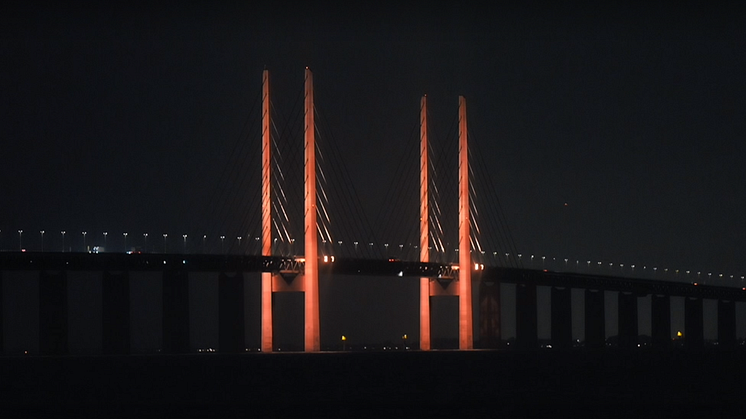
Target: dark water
x: 448, y: 384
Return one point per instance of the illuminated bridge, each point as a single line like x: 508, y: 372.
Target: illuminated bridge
x: 465, y: 272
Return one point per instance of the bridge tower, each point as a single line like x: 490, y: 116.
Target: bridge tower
x: 267, y: 335
x: 466, y: 330
x: 307, y: 281
x: 424, y: 228
x: 311, y: 271
x: 428, y: 287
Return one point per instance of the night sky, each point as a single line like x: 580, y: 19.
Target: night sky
x: 611, y: 134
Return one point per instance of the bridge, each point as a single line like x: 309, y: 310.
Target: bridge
x: 282, y: 270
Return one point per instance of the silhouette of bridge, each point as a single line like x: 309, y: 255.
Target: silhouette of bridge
x: 282, y: 270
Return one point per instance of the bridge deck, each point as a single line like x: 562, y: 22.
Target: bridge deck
x: 50, y: 261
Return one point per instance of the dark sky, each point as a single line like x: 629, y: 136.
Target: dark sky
x: 611, y: 134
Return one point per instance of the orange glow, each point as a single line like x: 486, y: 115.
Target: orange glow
x: 466, y: 329
x: 311, y: 277
x: 267, y: 333
x: 424, y: 229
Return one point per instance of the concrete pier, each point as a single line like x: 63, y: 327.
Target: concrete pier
x: 231, y: 313
x: 53, y: 313
x: 175, y: 312
x: 115, y: 313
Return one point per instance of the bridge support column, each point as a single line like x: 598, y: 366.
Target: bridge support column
x: 425, y: 344
x: 726, y: 324
x: 595, y: 319
x: 490, y: 334
x: 115, y: 313
x: 627, y: 320
x: 267, y: 319
x: 526, y: 319
x: 175, y: 312
x: 231, y: 313
x: 2, y: 331
x: 53, y: 313
x: 693, y: 323
x: 561, y: 318
x: 661, y: 321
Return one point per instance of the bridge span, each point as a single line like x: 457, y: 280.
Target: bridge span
x: 160, y: 262
x: 115, y: 270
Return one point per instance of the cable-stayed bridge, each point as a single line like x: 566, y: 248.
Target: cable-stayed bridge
x: 457, y: 239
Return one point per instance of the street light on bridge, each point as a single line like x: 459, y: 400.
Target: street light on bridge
x: 145, y: 242
x: 105, y: 234
x: 125, y: 241
x: 165, y: 243
x: 42, y: 239
x: 184, y: 236
x: 85, y: 248
x: 20, y: 240
x: 63, y: 240
x: 239, y: 243
x: 222, y: 244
